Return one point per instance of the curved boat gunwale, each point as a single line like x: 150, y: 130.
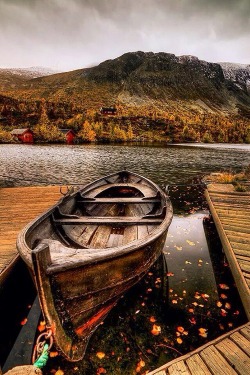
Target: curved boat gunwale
x: 95, y: 254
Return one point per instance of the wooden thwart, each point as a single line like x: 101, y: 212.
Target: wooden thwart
x: 112, y: 220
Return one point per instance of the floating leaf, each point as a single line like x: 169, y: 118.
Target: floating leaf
x: 180, y: 329
x: 190, y: 243
x: 170, y: 274
x: 219, y: 304
x: 179, y: 340
x: 42, y: 326
x: 191, y: 310
x: 59, y: 372
x: 100, y: 355
x: 223, y: 296
x: 187, y: 262
x: 152, y: 319
x: 202, y: 332
x: 24, y: 321
x: 223, y: 286
x: 205, y: 296
x: 195, y: 303
x: 223, y: 312
x: 156, y: 330
x: 53, y: 354
x: 179, y: 248
x: 192, y: 320
x: 174, y: 301
x: 101, y: 370
x: 227, y: 305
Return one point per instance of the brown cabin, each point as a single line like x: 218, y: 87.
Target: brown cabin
x: 23, y: 135
x: 108, y: 111
x: 69, y: 135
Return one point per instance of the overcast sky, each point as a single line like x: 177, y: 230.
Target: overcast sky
x: 72, y: 34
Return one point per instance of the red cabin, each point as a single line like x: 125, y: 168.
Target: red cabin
x: 69, y: 135
x: 108, y: 111
x: 23, y: 135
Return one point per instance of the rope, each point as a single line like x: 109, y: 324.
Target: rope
x: 43, y: 359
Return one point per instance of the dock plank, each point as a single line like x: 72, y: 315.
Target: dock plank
x: 235, y: 356
x: 18, y: 206
x: 216, y: 362
x: 197, y: 366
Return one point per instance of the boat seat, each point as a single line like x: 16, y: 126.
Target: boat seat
x: 120, y: 200
x: 110, y: 220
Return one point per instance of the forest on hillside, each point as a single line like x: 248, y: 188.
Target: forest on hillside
x: 130, y: 123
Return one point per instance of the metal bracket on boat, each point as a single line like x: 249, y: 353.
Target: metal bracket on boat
x: 67, y: 192
x: 44, y: 341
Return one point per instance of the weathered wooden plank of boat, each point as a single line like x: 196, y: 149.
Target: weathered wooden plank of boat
x: 216, y: 362
x: 178, y: 368
x: 238, y: 233
x: 114, y: 220
x: 197, y: 366
x: 241, y: 341
x: 235, y: 356
x: 144, y: 200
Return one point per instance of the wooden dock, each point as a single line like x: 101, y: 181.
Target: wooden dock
x: 231, y: 214
x: 228, y: 354
x: 18, y: 206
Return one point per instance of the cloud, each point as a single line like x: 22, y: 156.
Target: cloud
x: 77, y: 33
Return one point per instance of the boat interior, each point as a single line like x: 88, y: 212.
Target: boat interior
x: 111, y: 212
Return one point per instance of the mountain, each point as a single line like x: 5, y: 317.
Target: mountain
x: 239, y: 74
x: 15, y: 77
x: 144, y: 79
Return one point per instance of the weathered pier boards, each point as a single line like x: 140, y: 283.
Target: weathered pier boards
x: 231, y: 213
x: 18, y: 206
x: 228, y: 354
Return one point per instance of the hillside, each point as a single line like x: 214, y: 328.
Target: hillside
x: 158, y: 97
x: 158, y: 80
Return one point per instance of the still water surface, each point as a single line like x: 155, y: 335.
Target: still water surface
x: 198, y: 292
x: 81, y: 164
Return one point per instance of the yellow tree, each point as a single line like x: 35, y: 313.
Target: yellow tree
x: 87, y: 134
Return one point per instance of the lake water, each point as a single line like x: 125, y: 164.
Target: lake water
x: 193, y: 299
x: 175, y: 164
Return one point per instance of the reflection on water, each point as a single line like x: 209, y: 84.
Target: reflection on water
x: 82, y: 163
x: 188, y: 258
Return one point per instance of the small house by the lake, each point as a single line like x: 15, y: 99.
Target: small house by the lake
x: 108, y: 111
x: 69, y: 135
x: 23, y: 135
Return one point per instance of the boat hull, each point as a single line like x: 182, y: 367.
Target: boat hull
x: 78, y: 285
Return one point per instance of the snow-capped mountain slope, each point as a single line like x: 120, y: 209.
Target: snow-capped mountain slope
x: 239, y: 74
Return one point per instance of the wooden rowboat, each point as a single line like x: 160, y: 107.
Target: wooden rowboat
x: 89, y: 249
